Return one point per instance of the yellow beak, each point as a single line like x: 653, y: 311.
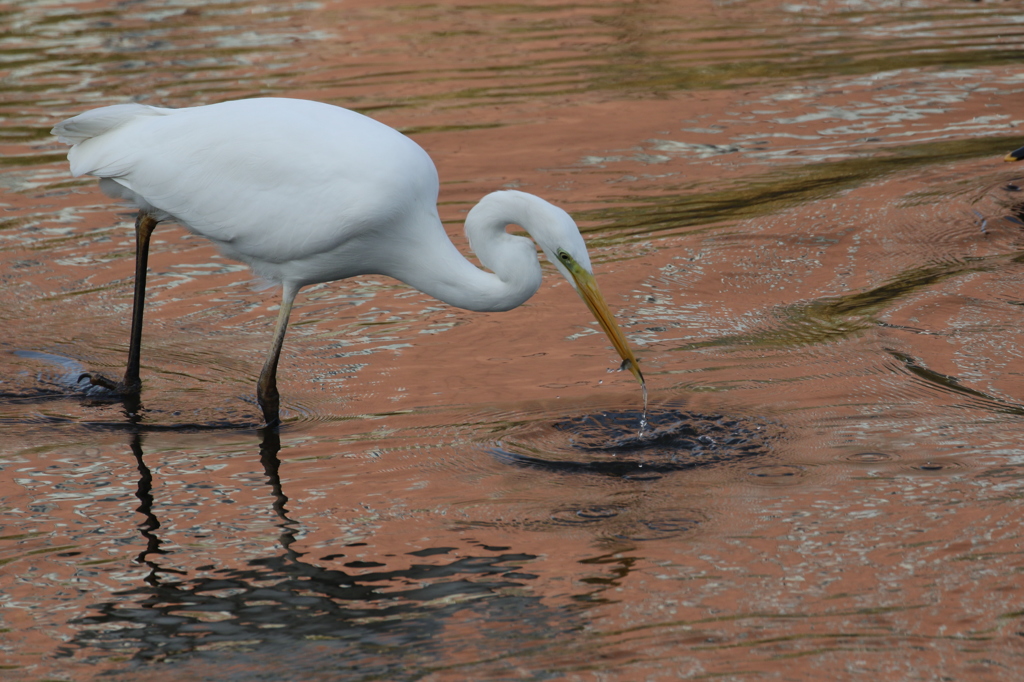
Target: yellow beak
x: 1015, y: 155
x: 591, y: 295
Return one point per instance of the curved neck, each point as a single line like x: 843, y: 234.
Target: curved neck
x: 432, y: 264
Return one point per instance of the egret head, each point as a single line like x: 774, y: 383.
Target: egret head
x: 556, y: 233
x: 582, y: 279
x: 559, y: 238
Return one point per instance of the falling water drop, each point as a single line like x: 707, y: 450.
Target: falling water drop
x: 643, y: 417
x: 633, y: 367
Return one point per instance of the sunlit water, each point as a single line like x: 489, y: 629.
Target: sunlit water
x: 802, y: 221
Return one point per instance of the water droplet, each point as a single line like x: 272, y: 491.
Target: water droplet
x: 583, y: 515
x: 944, y: 466
x: 869, y: 457
x: 643, y: 417
x: 777, y: 474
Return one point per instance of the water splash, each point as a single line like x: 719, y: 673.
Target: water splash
x: 643, y: 417
x: 606, y: 444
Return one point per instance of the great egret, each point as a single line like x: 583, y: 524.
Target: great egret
x: 306, y: 192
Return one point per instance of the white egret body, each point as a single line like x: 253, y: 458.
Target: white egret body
x: 305, y: 192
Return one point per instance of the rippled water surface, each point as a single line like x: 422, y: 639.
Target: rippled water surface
x: 800, y: 216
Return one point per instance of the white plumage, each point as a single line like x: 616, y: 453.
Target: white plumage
x: 306, y: 192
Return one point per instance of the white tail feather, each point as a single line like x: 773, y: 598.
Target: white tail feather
x: 98, y: 121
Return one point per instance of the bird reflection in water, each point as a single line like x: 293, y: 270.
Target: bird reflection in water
x: 280, y: 603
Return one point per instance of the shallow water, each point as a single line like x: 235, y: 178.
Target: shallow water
x: 801, y: 218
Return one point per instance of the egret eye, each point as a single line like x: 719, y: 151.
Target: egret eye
x: 564, y: 257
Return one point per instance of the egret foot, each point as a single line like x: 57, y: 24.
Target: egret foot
x: 119, y: 387
x: 98, y: 380
x: 129, y: 394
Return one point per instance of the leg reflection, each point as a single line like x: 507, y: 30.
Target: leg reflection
x: 151, y: 523
x: 270, y: 445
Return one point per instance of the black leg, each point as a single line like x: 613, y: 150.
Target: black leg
x: 144, y: 224
x: 266, y: 389
x: 131, y: 384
